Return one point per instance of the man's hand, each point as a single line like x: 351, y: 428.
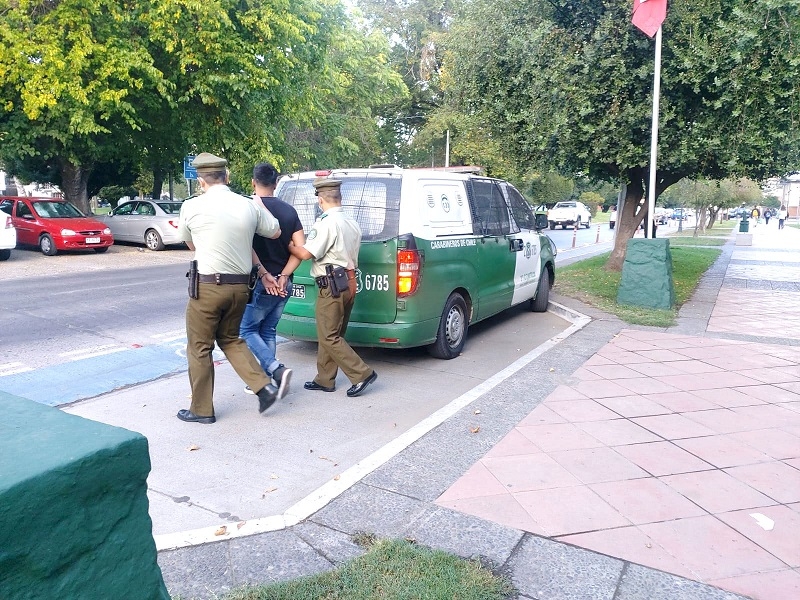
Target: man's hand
x: 272, y: 286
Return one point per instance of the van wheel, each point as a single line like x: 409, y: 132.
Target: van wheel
x: 47, y: 246
x: 589, y: 223
x: 552, y: 225
x: 539, y: 303
x: 5, y: 254
x: 452, y: 332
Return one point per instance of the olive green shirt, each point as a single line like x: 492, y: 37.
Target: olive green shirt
x: 220, y: 224
x: 335, y: 239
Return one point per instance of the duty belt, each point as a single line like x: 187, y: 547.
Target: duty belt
x: 224, y: 279
x: 322, y: 282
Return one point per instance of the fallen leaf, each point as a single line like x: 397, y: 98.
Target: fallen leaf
x: 649, y: 545
x: 475, y: 429
x: 310, y: 450
x: 552, y: 369
x: 336, y: 477
x: 221, y: 531
x: 268, y: 491
x: 240, y: 524
x: 193, y: 447
x: 329, y: 460
x: 477, y: 411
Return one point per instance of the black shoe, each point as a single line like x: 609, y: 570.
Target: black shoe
x: 283, y: 376
x: 266, y: 397
x: 360, y: 387
x: 313, y: 385
x: 190, y: 417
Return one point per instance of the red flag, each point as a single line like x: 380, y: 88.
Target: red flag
x: 648, y: 15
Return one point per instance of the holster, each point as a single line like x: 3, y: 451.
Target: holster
x: 194, y: 280
x: 339, y: 282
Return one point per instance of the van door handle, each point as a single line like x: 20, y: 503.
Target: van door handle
x: 515, y: 245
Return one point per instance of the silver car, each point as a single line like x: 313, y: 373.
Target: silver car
x: 153, y: 223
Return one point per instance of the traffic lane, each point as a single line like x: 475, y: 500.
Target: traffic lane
x: 247, y: 466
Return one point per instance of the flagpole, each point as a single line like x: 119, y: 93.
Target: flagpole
x: 651, y: 189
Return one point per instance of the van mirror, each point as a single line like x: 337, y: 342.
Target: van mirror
x: 541, y: 221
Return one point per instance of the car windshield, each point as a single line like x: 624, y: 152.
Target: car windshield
x: 56, y: 210
x: 171, y: 208
x: 565, y: 205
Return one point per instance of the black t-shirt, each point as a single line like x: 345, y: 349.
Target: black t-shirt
x: 274, y: 254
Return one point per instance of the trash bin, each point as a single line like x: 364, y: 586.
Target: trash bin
x: 744, y: 225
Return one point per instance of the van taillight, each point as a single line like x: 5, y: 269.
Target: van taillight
x: 408, y: 265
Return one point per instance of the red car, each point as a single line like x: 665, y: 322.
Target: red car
x: 54, y: 224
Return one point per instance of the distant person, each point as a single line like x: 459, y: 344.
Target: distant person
x: 612, y: 217
x: 755, y: 214
x: 767, y: 215
x: 218, y: 226
x: 783, y: 214
x: 274, y: 286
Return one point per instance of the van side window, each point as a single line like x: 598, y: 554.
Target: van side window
x: 520, y: 209
x: 490, y: 213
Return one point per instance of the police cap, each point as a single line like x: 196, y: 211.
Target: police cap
x: 326, y: 183
x: 205, y: 162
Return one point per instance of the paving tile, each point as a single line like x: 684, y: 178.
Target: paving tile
x: 562, y: 511
x: 618, y: 432
x: 723, y: 451
x: 622, y: 357
x: 631, y: 544
x: 662, y: 356
x: 690, y: 382
x: 513, y: 444
x: 647, y: 385
x: 593, y: 465
x: 775, y: 479
x: 614, y: 371
x: 550, y: 570
x: 711, y: 548
x: 724, y: 420
x: 542, y: 415
x: 477, y: 481
x: 642, y: 583
x: 774, y: 375
x: 565, y: 392
x: 504, y: 510
x: 794, y: 406
x: 673, y: 426
x: 775, y: 585
x: 597, y: 359
x: 770, y: 415
x: 582, y: 374
x: 783, y: 540
x: 633, y: 406
x: 717, y: 491
x: 646, y: 500
x: 770, y: 393
x: 774, y: 442
x: 576, y: 411
x: 626, y: 342
x: 558, y: 436
x: 695, y: 367
x: 602, y: 388
x: 682, y: 401
x: 662, y: 458
x: 654, y: 369
x: 532, y: 472
x: 727, y: 398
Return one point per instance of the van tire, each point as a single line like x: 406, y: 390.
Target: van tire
x: 589, y: 223
x: 552, y: 224
x: 453, y: 327
x: 539, y: 303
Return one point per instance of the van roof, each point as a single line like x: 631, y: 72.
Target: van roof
x: 458, y: 173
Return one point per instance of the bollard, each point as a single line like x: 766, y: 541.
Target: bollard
x: 574, y: 234
x: 597, y: 241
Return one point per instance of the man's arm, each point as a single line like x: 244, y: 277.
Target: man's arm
x: 298, y: 239
x: 300, y: 252
x: 268, y: 225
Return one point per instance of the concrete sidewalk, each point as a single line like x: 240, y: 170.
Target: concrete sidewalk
x: 624, y: 463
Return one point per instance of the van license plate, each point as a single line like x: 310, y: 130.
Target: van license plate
x: 92, y: 240
x: 298, y: 291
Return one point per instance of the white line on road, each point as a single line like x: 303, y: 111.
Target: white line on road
x: 92, y: 352
x: 13, y: 369
x: 170, y: 335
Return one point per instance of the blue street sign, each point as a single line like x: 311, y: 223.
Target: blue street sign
x: 189, y: 172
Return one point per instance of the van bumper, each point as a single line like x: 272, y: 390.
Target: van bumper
x: 373, y: 335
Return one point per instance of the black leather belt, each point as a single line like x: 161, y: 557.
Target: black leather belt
x: 224, y: 279
x: 322, y: 282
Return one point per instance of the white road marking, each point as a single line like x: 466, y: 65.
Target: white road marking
x: 13, y: 369
x: 92, y: 352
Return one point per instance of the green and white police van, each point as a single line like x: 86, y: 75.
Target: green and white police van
x: 440, y: 250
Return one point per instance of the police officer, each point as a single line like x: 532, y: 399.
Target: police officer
x: 219, y: 226
x: 334, y: 241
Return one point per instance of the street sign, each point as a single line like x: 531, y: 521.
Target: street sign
x: 189, y: 172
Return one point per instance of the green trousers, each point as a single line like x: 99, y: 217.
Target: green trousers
x: 215, y: 317
x: 334, y: 352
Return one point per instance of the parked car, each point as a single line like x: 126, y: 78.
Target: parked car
x: 681, y: 214
x: 440, y: 251
x: 53, y: 224
x: 153, y: 223
x: 662, y: 216
x: 8, y: 236
x: 569, y: 213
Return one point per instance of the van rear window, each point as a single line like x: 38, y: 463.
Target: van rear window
x: 372, y: 199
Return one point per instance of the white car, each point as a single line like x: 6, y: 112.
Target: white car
x: 8, y: 236
x: 569, y: 213
x: 153, y: 223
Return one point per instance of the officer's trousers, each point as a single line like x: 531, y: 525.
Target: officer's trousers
x: 334, y: 352
x: 215, y: 317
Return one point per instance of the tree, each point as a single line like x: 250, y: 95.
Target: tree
x: 569, y: 84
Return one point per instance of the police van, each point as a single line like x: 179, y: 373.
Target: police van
x: 440, y: 250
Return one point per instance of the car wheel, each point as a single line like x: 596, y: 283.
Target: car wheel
x: 5, y: 254
x: 47, y: 246
x: 152, y: 240
x: 540, y: 301
x: 552, y: 225
x: 101, y: 250
x: 563, y: 226
x: 453, y: 327
x: 589, y: 223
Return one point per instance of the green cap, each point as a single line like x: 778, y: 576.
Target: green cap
x: 326, y: 183
x: 205, y: 162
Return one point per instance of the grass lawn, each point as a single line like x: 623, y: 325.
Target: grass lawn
x: 590, y: 282
x: 390, y: 570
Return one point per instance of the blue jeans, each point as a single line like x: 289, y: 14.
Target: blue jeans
x: 259, y: 321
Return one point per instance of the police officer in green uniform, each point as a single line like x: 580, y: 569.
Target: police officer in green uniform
x: 219, y: 226
x: 334, y: 241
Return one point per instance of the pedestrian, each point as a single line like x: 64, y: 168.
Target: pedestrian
x: 332, y: 246
x: 755, y: 214
x: 218, y: 226
x: 612, y: 217
x: 782, y: 215
x: 767, y: 215
x: 274, y: 286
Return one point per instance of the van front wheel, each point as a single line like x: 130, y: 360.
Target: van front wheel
x: 452, y: 332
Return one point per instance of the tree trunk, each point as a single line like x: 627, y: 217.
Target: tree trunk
x: 627, y: 222
x: 712, y: 216
x: 74, y: 184
x: 700, y: 222
x: 158, y: 183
